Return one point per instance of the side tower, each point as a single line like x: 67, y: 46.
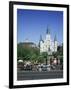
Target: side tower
x: 41, y: 44
x: 55, y: 44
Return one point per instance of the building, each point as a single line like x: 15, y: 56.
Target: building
x: 28, y: 44
x: 48, y: 45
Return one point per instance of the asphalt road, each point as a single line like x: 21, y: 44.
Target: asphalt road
x: 31, y: 75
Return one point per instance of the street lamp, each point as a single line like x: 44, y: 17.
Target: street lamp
x: 45, y: 56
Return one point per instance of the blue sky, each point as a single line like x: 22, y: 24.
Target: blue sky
x: 33, y: 23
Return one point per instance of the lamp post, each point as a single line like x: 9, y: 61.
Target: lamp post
x: 46, y: 58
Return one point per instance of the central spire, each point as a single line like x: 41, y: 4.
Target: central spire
x: 55, y: 38
x: 48, y: 31
x: 41, y: 38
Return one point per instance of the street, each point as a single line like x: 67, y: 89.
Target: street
x: 33, y: 75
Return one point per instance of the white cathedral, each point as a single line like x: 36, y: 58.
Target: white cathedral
x: 48, y: 45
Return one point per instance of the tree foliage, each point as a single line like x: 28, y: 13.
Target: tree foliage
x: 33, y: 54
x: 27, y: 53
x: 59, y: 53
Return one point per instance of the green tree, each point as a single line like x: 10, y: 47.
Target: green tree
x: 27, y: 53
x: 40, y: 59
x: 45, y: 56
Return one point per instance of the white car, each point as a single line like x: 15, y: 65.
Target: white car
x: 44, y: 67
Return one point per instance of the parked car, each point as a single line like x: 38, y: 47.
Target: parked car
x: 44, y: 67
x: 27, y: 67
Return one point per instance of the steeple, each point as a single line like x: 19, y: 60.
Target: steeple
x: 48, y: 31
x: 55, y: 39
x: 41, y: 38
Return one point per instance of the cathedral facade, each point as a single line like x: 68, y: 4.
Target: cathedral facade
x: 48, y: 45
